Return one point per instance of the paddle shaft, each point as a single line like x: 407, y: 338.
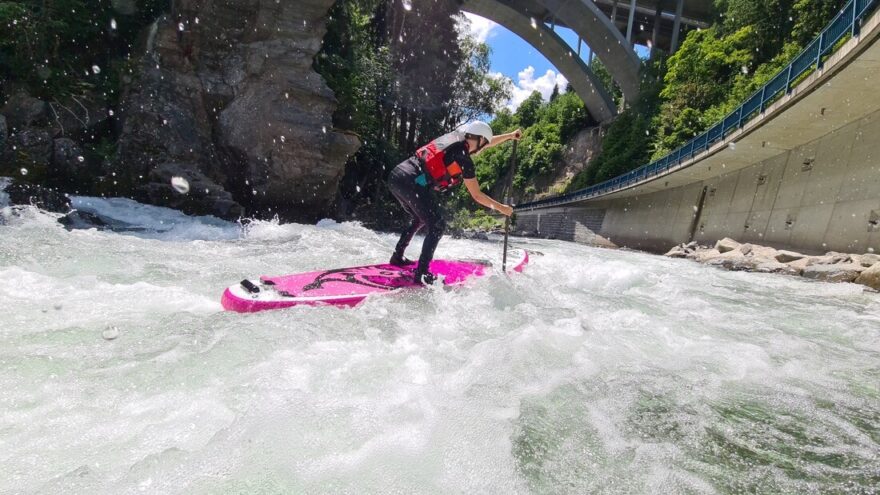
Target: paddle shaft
x: 509, y: 200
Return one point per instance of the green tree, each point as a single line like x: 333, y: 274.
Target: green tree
x: 528, y: 112
x: 700, y: 76
x: 56, y: 48
x: 608, y: 82
x: 769, y: 21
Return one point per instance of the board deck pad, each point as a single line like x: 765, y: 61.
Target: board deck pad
x: 348, y: 286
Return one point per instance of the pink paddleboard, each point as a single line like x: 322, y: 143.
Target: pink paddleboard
x: 349, y: 286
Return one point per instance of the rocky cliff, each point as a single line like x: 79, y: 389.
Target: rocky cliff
x: 578, y: 153
x: 225, y: 96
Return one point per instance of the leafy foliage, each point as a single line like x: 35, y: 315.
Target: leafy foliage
x: 712, y: 73
x: 55, y: 48
x: 717, y: 68
x: 547, y: 126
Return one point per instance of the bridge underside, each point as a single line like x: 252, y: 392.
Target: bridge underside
x: 608, y: 27
x: 584, y: 82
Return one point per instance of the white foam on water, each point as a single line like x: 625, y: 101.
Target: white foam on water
x: 4, y: 197
x: 155, y: 222
x: 594, y: 371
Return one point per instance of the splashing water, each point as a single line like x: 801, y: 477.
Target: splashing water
x: 595, y: 371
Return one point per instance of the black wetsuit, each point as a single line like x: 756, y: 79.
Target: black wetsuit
x: 414, y: 191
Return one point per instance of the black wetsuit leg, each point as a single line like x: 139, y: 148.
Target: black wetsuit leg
x: 420, y: 202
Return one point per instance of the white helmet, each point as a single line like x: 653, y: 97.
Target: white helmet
x: 478, y: 128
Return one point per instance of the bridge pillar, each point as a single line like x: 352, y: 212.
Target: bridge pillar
x: 676, y: 28
x: 629, y: 23
x: 658, y: 11
x: 658, y: 18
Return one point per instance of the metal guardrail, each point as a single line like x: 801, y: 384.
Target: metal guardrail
x: 847, y: 22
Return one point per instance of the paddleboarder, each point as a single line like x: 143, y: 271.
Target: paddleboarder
x: 438, y: 167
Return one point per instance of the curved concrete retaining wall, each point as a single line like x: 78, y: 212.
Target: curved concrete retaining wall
x: 822, y: 196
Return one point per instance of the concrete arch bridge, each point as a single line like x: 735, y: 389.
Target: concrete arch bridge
x: 609, y: 28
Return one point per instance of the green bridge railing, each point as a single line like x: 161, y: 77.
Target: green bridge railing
x: 847, y: 22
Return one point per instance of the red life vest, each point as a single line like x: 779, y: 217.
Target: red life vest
x: 432, y: 157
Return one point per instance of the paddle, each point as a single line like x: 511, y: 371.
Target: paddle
x: 509, y: 200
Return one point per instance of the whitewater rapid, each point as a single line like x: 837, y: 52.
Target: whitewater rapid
x: 594, y: 371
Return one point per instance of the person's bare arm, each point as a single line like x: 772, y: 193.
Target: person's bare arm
x: 482, y: 198
x: 499, y: 139
x: 503, y: 138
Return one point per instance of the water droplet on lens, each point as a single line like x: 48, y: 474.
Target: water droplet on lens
x: 80, y: 158
x: 110, y: 333
x: 180, y: 184
x: 96, y: 69
x: 113, y: 24
x: 24, y: 171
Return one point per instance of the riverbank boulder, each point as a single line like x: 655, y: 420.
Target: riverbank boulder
x: 68, y: 160
x: 870, y: 277
x: 830, y: 267
x: 844, y: 272
x: 25, y: 194
x: 22, y: 111
x: 726, y: 244
x: 868, y: 260
x: 28, y: 155
x: 784, y: 256
x: 79, y: 117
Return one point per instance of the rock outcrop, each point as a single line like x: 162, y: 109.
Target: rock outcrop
x: 41, y: 142
x: 871, y: 277
x: 577, y: 155
x: 4, y: 134
x: 16, y: 193
x: 832, y: 267
x: 23, y: 110
x: 226, y: 97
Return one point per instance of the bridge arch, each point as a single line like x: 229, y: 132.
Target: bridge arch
x: 526, y: 19
x: 585, y: 83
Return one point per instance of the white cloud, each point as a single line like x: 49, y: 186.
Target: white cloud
x: 477, y: 27
x: 528, y: 83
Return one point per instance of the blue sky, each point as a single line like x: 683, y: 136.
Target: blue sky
x: 520, y: 62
